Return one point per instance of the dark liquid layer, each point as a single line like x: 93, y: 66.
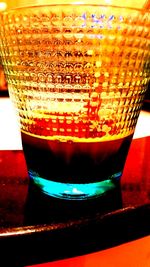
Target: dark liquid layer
x: 75, y: 163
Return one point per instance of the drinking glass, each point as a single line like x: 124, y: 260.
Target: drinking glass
x: 77, y: 73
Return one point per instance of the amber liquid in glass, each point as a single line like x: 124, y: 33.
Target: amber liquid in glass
x: 75, y: 164
x: 77, y: 75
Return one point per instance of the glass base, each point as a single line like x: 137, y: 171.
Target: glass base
x: 70, y: 191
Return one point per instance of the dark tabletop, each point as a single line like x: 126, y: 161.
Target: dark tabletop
x: 35, y: 228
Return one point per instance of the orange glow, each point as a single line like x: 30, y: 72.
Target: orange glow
x: 131, y: 254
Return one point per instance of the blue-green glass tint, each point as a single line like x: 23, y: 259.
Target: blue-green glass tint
x: 70, y: 191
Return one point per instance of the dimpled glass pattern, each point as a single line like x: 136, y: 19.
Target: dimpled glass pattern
x: 76, y: 72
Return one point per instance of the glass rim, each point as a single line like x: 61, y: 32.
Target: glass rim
x: 76, y: 5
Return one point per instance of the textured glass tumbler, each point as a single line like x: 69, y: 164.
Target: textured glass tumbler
x: 77, y: 75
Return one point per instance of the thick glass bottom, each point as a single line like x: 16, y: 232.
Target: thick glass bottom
x: 71, y: 191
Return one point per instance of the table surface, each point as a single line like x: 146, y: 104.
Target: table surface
x: 29, y: 219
